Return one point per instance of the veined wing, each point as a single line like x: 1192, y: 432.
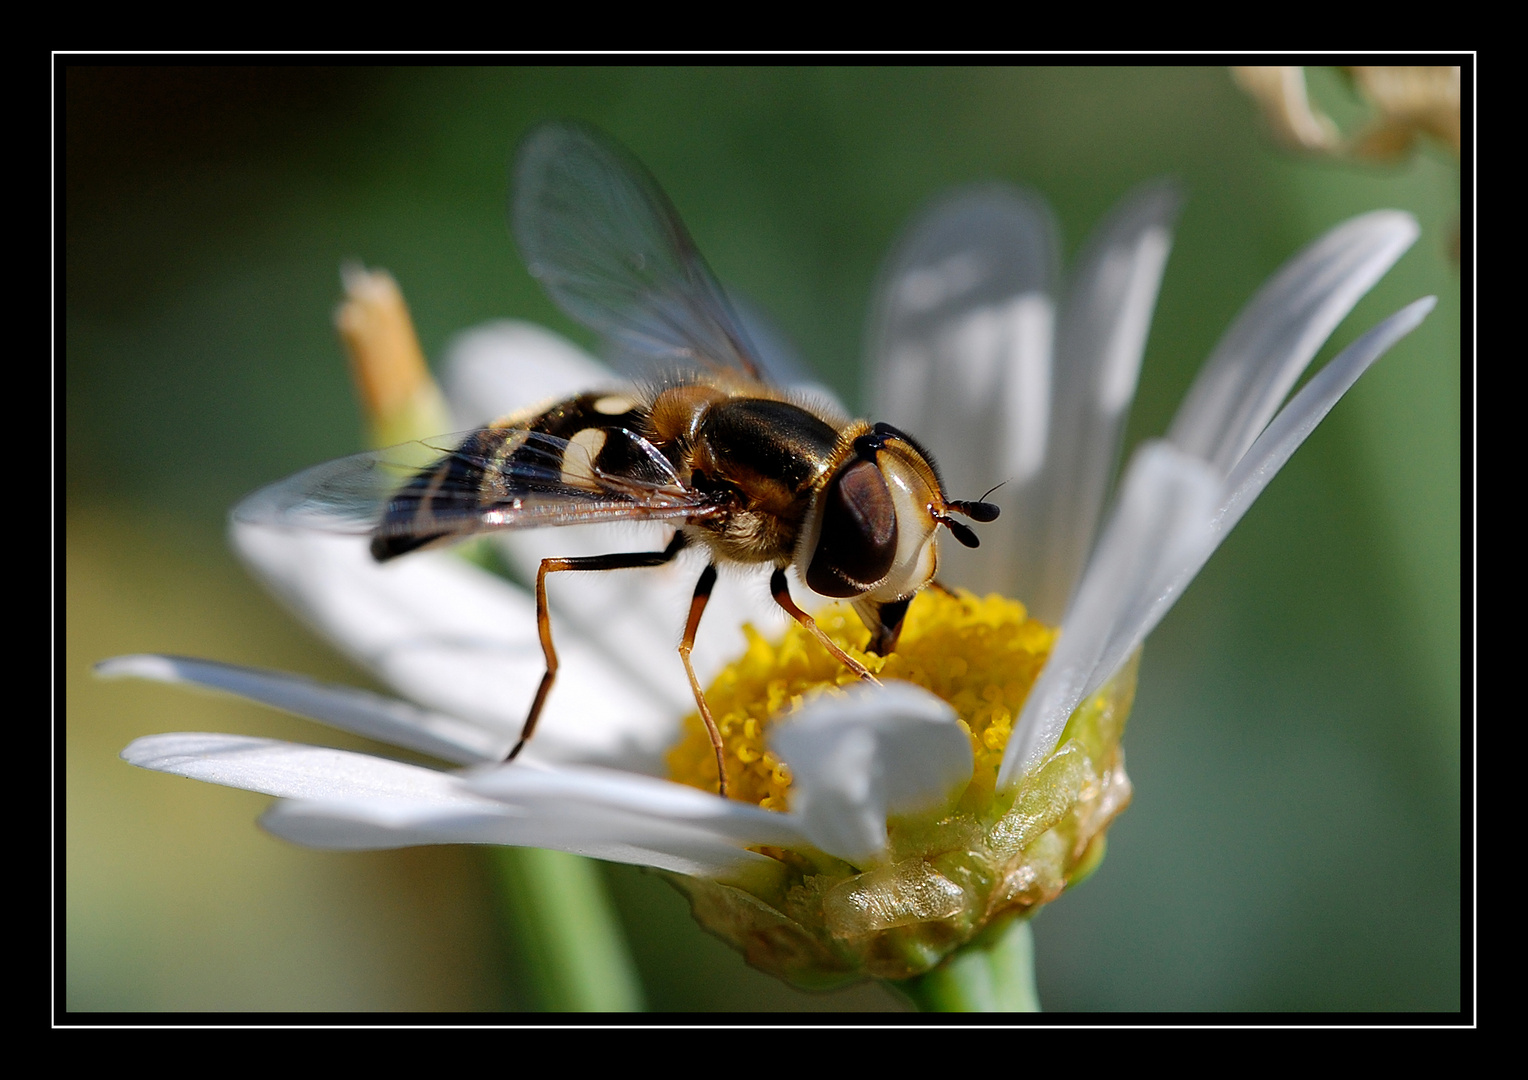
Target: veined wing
x: 603, y: 239
x: 493, y: 478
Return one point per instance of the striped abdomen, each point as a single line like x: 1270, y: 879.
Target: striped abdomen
x: 578, y: 460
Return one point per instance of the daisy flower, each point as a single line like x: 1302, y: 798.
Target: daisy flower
x: 872, y: 829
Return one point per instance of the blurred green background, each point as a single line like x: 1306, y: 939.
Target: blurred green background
x: 1295, y: 838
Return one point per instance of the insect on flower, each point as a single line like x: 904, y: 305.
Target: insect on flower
x: 704, y: 441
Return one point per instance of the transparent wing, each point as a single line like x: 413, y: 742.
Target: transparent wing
x: 603, y: 239
x: 479, y: 481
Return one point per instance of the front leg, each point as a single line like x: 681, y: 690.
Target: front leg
x: 624, y: 561
x: 686, y: 645
x: 782, y: 594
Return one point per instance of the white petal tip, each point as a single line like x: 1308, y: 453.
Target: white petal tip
x: 148, y: 752
x: 138, y: 666
x: 1387, y: 234
x: 135, y: 752
x: 1398, y: 226
x: 1421, y: 307
x: 172, y: 751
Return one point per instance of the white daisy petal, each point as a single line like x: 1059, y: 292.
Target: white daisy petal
x: 363, y: 824
x: 504, y: 367
x: 385, y: 719
x: 580, y: 789
x: 879, y: 751
x: 360, y: 825
x: 1261, y: 356
x: 353, y: 801
x: 460, y: 640
x: 635, y: 618
x: 292, y: 770
x: 1160, y: 538
x: 960, y: 357
x: 578, y: 807
x: 1157, y: 537
x: 1307, y: 409
x: 383, y: 823
x: 1100, y: 340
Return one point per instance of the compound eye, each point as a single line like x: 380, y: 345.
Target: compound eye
x: 859, y: 533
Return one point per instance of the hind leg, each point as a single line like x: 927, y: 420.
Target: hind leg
x: 623, y: 561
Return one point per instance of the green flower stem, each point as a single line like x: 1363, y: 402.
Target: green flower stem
x: 573, y: 951
x: 574, y: 955
x: 995, y: 973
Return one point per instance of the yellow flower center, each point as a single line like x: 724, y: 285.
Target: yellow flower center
x: 981, y: 655
x: 817, y: 920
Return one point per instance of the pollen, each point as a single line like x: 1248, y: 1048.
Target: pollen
x: 980, y: 654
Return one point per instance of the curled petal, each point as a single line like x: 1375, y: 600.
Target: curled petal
x: 885, y: 751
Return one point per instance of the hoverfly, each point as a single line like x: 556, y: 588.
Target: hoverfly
x: 739, y: 467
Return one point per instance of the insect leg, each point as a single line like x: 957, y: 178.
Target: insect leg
x: 698, y: 605
x: 623, y: 561
x: 782, y: 594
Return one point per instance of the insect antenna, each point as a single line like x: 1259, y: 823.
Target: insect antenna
x: 976, y: 509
